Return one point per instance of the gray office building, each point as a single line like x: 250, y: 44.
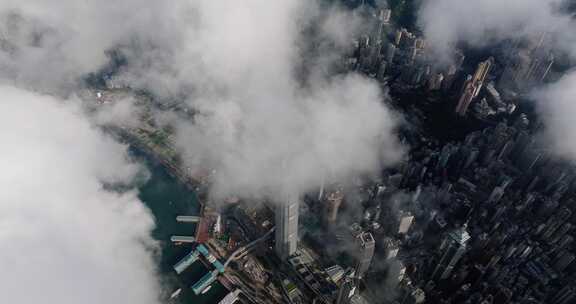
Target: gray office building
x: 287, y: 228
x: 452, y: 249
x: 366, y: 252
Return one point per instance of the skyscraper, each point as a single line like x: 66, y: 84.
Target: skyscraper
x: 414, y: 296
x: 400, y: 36
x: 347, y: 288
x: 564, y: 259
x: 466, y: 97
x: 385, y: 15
x: 481, y: 74
x: 287, y: 228
x: 527, y: 68
x: 391, y: 247
x: 396, y: 272
x: 333, y: 201
x: 390, y: 53
x: 473, y: 85
x: 452, y: 249
x: 405, y: 221
x: 539, y: 67
x: 366, y: 244
x: 435, y: 83
x: 516, y: 68
x: 564, y: 296
x: 383, y: 22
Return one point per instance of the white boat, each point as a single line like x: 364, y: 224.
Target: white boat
x: 206, y: 289
x: 176, y: 293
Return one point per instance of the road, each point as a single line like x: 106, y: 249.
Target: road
x: 241, y: 252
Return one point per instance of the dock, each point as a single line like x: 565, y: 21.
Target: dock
x: 188, y: 219
x: 204, y: 282
x: 204, y: 251
x: 182, y: 239
x: 186, y: 261
x: 203, y: 226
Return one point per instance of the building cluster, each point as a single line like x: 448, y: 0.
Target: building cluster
x: 384, y: 52
x: 528, y: 63
x: 473, y: 85
x: 400, y: 58
x: 332, y: 284
x: 485, y: 220
x: 505, y: 209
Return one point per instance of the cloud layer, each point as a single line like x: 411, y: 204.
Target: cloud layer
x: 271, y: 118
x: 256, y: 71
x: 51, y: 46
x: 272, y: 121
x: 64, y: 238
x: 446, y: 23
x: 557, y: 107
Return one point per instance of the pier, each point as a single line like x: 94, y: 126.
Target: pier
x: 205, y: 281
x: 210, y: 258
x: 182, y: 239
x: 209, y: 277
x: 186, y: 261
x: 188, y: 219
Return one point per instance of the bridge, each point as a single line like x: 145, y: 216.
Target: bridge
x: 188, y: 219
x: 242, y: 251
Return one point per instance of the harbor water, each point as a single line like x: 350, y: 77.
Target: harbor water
x: 167, y: 199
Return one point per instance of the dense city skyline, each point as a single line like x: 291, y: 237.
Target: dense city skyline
x: 398, y: 151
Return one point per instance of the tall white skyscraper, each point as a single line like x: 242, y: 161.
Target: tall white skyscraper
x: 287, y: 228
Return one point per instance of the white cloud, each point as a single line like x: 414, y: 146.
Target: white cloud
x: 64, y: 238
x: 448, y: 22
x: 49, y: 46
x: 238, y: 63
x: 264, y: 125
x: 556, y: 104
